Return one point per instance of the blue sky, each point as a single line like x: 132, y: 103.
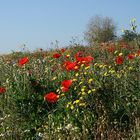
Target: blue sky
x: 37, y: 23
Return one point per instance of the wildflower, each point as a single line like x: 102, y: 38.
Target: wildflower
x: 74, y: 80
x: 105, y: 74
x: 85, y: 73
x: 94, y: 90
x: 65, y: 84
x: 83, y: 93
x: 83, y: 89
x: 90, y: 80
x: 120, y: 54
x: 76, y: 68
x: 138, y: 52
x: 2, y: 90
x: 95, y: 64
x: 130, y: 56
x: 111, y: 49
x: 87, y: 59
x: 54, y: 78
x: 67, y: 56
x: 115, y: 52
x: 100, y: 66
x: 76, y: 74
x: 119, y: 60
x: 72, y: 107
x: 69, y: 65
x: 89, y: 91
x: 76, y: 101
x: 56, y: 55
x: 51, y: 97
x: 22, y: 61
x: 87, y: 67
x: 111, y: 71
x: 64, y: 89
x: 62, y: 50
x: 130, y: 68
x: 62, y: 94
x: 82, y: 65
x: 69, y: 103
x: 82, y: 104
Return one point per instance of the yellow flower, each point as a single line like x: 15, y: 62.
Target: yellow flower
x: 130, y: 68
x: 87, y: 67
x: 100, y: 66
x: 85, y: 73
x: 120, y: 54
x: 94, y: 90
x: 115, y: 52
x: 82, y: 65
x: 111, y: 71
x: 82, y: 89
x: 74, y: 80
x: 54, y: 78
x: 76, y: 101
x: 76, y: 67
x: 80, y: 83
x: 72, y: 107
x: 83, y: 93
x: 89, y: 91
x: 109, y: 67
x: 82, y: 104
x: 76, y: 74
x: 62, y: 94
x: 105, y: 74
x: 90, y: 80
x: 95, y: 64
x: 69, y: 103
x: 58, y: 91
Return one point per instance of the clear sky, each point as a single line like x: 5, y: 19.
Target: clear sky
x: 37, y: 23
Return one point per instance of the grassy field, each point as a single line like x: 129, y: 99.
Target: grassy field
x: 75, y: 93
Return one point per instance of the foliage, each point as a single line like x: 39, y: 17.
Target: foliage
x: 100, y: 29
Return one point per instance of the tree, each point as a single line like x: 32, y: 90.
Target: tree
x: 129, y: 35
x: 100, y: 29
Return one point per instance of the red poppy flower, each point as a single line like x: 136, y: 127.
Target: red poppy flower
x: 64, y: 89
x: 22, y: 61
x: 62, y: 50
x: 66, y: 83
x: 111, y: 49
x: 130, y: 56
x: 78, y: 56
x: 67, y: 56
x: 138, y: 52
x: 119, y: 60
x: 51, y: 97
x: 56, y: 55
x: 69, y: 65
x: 2, y: 90
x: 87, y: 59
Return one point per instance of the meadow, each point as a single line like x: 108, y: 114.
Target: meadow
x: 74, y: 93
